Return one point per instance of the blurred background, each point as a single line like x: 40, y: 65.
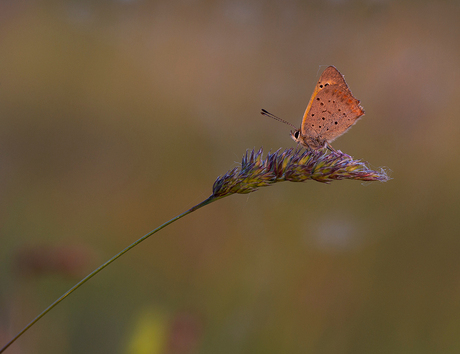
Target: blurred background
x: 116, y: 116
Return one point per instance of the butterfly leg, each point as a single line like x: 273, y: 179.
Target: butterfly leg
x: 303, y: 144
x: 329, y: 147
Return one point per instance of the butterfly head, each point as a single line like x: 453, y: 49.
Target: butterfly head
x: 312, y: 143
x: 295, y: 135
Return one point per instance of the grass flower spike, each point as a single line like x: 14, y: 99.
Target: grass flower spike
x: 294, y: 165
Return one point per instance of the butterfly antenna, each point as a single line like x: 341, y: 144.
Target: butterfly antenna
x: 268, y: 114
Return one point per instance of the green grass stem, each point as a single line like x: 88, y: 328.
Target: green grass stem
x: 97, y: 270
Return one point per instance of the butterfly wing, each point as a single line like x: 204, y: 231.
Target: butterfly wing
x: 330, y: 76
x: 333, y: 111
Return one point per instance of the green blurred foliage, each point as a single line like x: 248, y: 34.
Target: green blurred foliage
x: 115, y: 116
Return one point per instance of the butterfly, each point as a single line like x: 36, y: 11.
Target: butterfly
x: 332, y: 110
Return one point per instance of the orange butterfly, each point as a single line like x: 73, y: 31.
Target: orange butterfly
x: 332, y: 110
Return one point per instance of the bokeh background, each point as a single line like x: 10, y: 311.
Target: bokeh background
x: 115, y: 116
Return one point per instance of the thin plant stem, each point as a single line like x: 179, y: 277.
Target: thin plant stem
x: 97, y: 270
x: 294, y: 165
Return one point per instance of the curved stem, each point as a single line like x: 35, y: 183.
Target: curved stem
x: 97, y: 270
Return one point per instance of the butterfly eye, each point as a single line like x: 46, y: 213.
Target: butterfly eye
x: 296, y: 134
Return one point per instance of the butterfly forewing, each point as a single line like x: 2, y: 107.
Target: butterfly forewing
x: 330, y: 76
x: 333, y: 111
